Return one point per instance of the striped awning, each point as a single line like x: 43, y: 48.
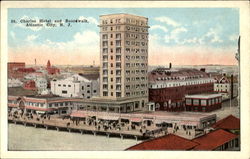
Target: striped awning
x: 136, y: 120
x: 78, y: 114
x: 109, y: 117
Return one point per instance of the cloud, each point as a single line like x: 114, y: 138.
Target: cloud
x: 13, y: 35
x: 167, y: 21
x: 174, y: 35
x: 163, y: 28
x: 91, y: 20
x: 31, y: 38
x: 233, y: 37
x: 82, y: 49
x: 213, y: 34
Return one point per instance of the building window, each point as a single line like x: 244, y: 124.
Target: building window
x: 88, y: 91
x: 195, y: 101
x: 64, y: 92
x: 111, y: 35
x: 105, y: 93
x: 94, y: 91
x: 69, y: 85
x: 59, y: 85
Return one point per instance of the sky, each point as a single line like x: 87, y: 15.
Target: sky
x: 182, y: 36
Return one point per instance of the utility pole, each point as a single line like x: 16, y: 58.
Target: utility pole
x: 237, y: 56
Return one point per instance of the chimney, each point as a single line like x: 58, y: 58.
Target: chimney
x: 203, y: 69
x: 170, y: 65
x: 232, y: 86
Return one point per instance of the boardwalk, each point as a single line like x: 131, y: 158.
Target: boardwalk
x: 67, y: 125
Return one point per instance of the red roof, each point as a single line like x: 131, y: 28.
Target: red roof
x: 213, y: 139
x: 167, y: 142
x: 229, y: 123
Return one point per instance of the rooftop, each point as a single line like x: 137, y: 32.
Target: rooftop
x: 164, y: 74
x: 213, y: 139
x: 229, y: 123
x: 19, y: 91
x: 123, y: 14
x: 203, y: 96
x: 167, y: 142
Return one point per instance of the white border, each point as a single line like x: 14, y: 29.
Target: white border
x: 245, y: 74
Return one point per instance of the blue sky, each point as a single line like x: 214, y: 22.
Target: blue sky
x: 182, y: 30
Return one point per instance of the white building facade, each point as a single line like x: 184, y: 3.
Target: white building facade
x: 223, y: 86
x: 75, y: 86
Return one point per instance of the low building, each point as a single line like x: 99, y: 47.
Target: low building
x: 217, y: 140
x: 14, y: 83
x: 226, y: 86
x: 42, y: 104
x: 51, y: 69
x: 203, y: 102
x: 167, y: 142
x: 30, y: 85
x: 12, y: 69
x: 168, y: 86
x: 230, y: 123
x: 78, y: 85
x: 41, y: 85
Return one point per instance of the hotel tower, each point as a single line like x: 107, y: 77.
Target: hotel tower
x: 124, y: 58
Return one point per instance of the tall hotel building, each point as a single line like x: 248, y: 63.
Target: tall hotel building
x: 124, y: 58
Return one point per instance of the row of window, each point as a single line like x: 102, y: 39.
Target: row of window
x: 137, y: 50
x: 128, y: 79
x: 111, y: 21
x: 136, y: 86
x: 136, y: 43
x: 118, y: 79
x: 136, y: 36
x: 127, y: 20
x: 117, y: 57
x: 117, y: 50
x: 137, y: 93
x: 116, y: 87
x: 137, y: 29
x: 111, y: 28
x: 136, y: 57
x: 117, y: 65
x: 118, y: 94
x: 128, y: 72
x: 177, y: 84
x: 203, y: 101
x: 59, y: 104
x: 117, y: 43
x: 106, y: 36
x: 136, y: 65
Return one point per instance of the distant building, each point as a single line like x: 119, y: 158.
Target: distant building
x: 41, y: 85
x: 218, y: 140
x: 12, y: 69
x: 203, y: 102
x: 226, y: 86
x: 168, y: 86
x: 78, y: 85
x: 52, y: 70
x: 42, y: 104
x: 14, y: 83
x: 30, y: 85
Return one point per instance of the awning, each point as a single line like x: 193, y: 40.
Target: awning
x: 109, y: 117
x: 136, y: 120
x: 191, y: 123
x: 78, y: 114
x: 159, y: 121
